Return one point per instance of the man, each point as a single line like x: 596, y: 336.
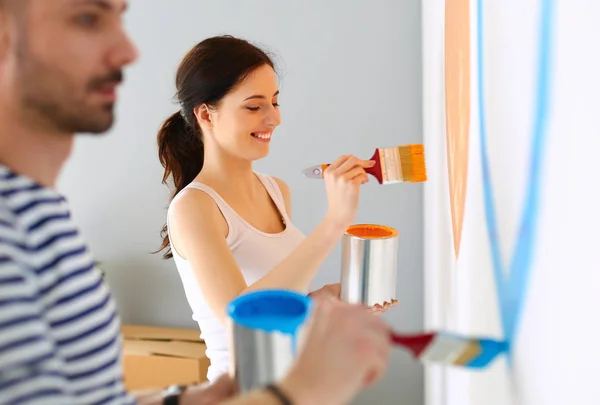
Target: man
x: 61, y: 62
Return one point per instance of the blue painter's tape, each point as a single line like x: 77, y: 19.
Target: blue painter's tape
x: 490, y: 349
x: 271, y: 310
x: 512, y: 288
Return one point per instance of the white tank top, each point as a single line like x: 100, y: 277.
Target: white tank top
x: 255, y: 252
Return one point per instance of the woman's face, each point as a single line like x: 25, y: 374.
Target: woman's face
x: 245, y: 119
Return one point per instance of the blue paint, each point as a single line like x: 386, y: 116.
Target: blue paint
x: 490, y: 349
x: 271, y: 310
x: 512, y: 288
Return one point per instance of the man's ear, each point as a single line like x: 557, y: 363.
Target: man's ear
x: 4, y: 41
x: 12, y: 14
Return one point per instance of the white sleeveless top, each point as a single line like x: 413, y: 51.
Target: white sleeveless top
x: 255, y: 252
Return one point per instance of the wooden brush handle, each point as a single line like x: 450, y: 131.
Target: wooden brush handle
x: 414, y: 343
x: 374, y: 171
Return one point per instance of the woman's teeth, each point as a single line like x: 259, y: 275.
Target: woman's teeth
x: 262, y: 135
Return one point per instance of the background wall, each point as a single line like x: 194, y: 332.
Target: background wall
x: 351, y: 82
x: 555, y: 352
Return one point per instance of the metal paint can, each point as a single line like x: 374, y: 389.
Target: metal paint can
x: 266, y: 332
x: 369, y: 265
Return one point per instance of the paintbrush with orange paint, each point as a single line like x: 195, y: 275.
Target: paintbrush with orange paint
x: 450, y: 349
x: 396, y: 164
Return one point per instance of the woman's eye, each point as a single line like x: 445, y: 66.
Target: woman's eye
x: 254, y: 109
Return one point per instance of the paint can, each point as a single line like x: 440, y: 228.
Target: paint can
x: 266, y: 333
x: 369, y: 265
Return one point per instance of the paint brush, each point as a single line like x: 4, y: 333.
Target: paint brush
x: 449, y: 349
x: 396, y: 164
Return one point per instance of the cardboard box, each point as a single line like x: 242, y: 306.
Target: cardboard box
x: 154, y: 358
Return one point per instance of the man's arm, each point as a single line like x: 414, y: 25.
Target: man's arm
x: 205, y: 394
x: 30, y: 372
x: 256, y: 397
x: 347, y: 349
x: 224, y: 392
x: 294, y: 388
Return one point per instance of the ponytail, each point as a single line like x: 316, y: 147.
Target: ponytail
x: 181, y: 153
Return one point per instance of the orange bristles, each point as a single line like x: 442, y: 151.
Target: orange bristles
x: 394, y: 164
x: 412, y: 161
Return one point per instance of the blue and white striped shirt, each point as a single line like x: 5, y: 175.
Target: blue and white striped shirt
x: 60, y: 339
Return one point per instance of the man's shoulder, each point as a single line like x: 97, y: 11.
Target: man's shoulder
x: 33, y: 221
x: 24, y: 203
x: 11, y: 230
x: 8, y: 186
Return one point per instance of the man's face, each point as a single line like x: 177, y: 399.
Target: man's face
x: 63, y: 62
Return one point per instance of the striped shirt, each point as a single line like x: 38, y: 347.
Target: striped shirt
x: 60, y: 340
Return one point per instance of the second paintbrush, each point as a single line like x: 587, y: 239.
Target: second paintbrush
x: 450, y: 349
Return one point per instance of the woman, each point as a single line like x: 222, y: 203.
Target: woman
x: 228, y: 227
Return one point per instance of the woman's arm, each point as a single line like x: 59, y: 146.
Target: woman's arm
x: 198, y: 224
x: 328, y: 291
x: 199, y: 235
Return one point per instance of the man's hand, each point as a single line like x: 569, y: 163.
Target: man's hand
x: 210, y: 394
x: 346, y: 350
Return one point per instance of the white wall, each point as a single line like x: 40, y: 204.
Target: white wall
x: 555, y: 351
x: 351, y: 81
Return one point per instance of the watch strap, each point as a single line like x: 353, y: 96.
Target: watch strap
x: 275, y: 390
x: 171, y: 394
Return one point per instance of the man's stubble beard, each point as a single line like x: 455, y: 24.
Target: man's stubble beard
x: 48, y: 106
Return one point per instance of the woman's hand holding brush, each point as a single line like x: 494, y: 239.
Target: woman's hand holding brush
x: 343, y: 179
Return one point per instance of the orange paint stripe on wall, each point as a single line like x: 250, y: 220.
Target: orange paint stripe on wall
x: 458, y: 103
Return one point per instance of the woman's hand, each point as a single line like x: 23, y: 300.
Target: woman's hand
x: 381, y: 308
x: 327, y: 292
x: 343, y: 179
x: 333, y: 291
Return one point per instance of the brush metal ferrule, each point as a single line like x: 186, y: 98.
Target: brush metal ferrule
x: 391, y: 165
x: 446, y: 349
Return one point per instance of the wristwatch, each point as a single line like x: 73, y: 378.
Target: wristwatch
x: 171, y: 394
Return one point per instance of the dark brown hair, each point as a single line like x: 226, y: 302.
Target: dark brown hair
x: 206, y: 74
